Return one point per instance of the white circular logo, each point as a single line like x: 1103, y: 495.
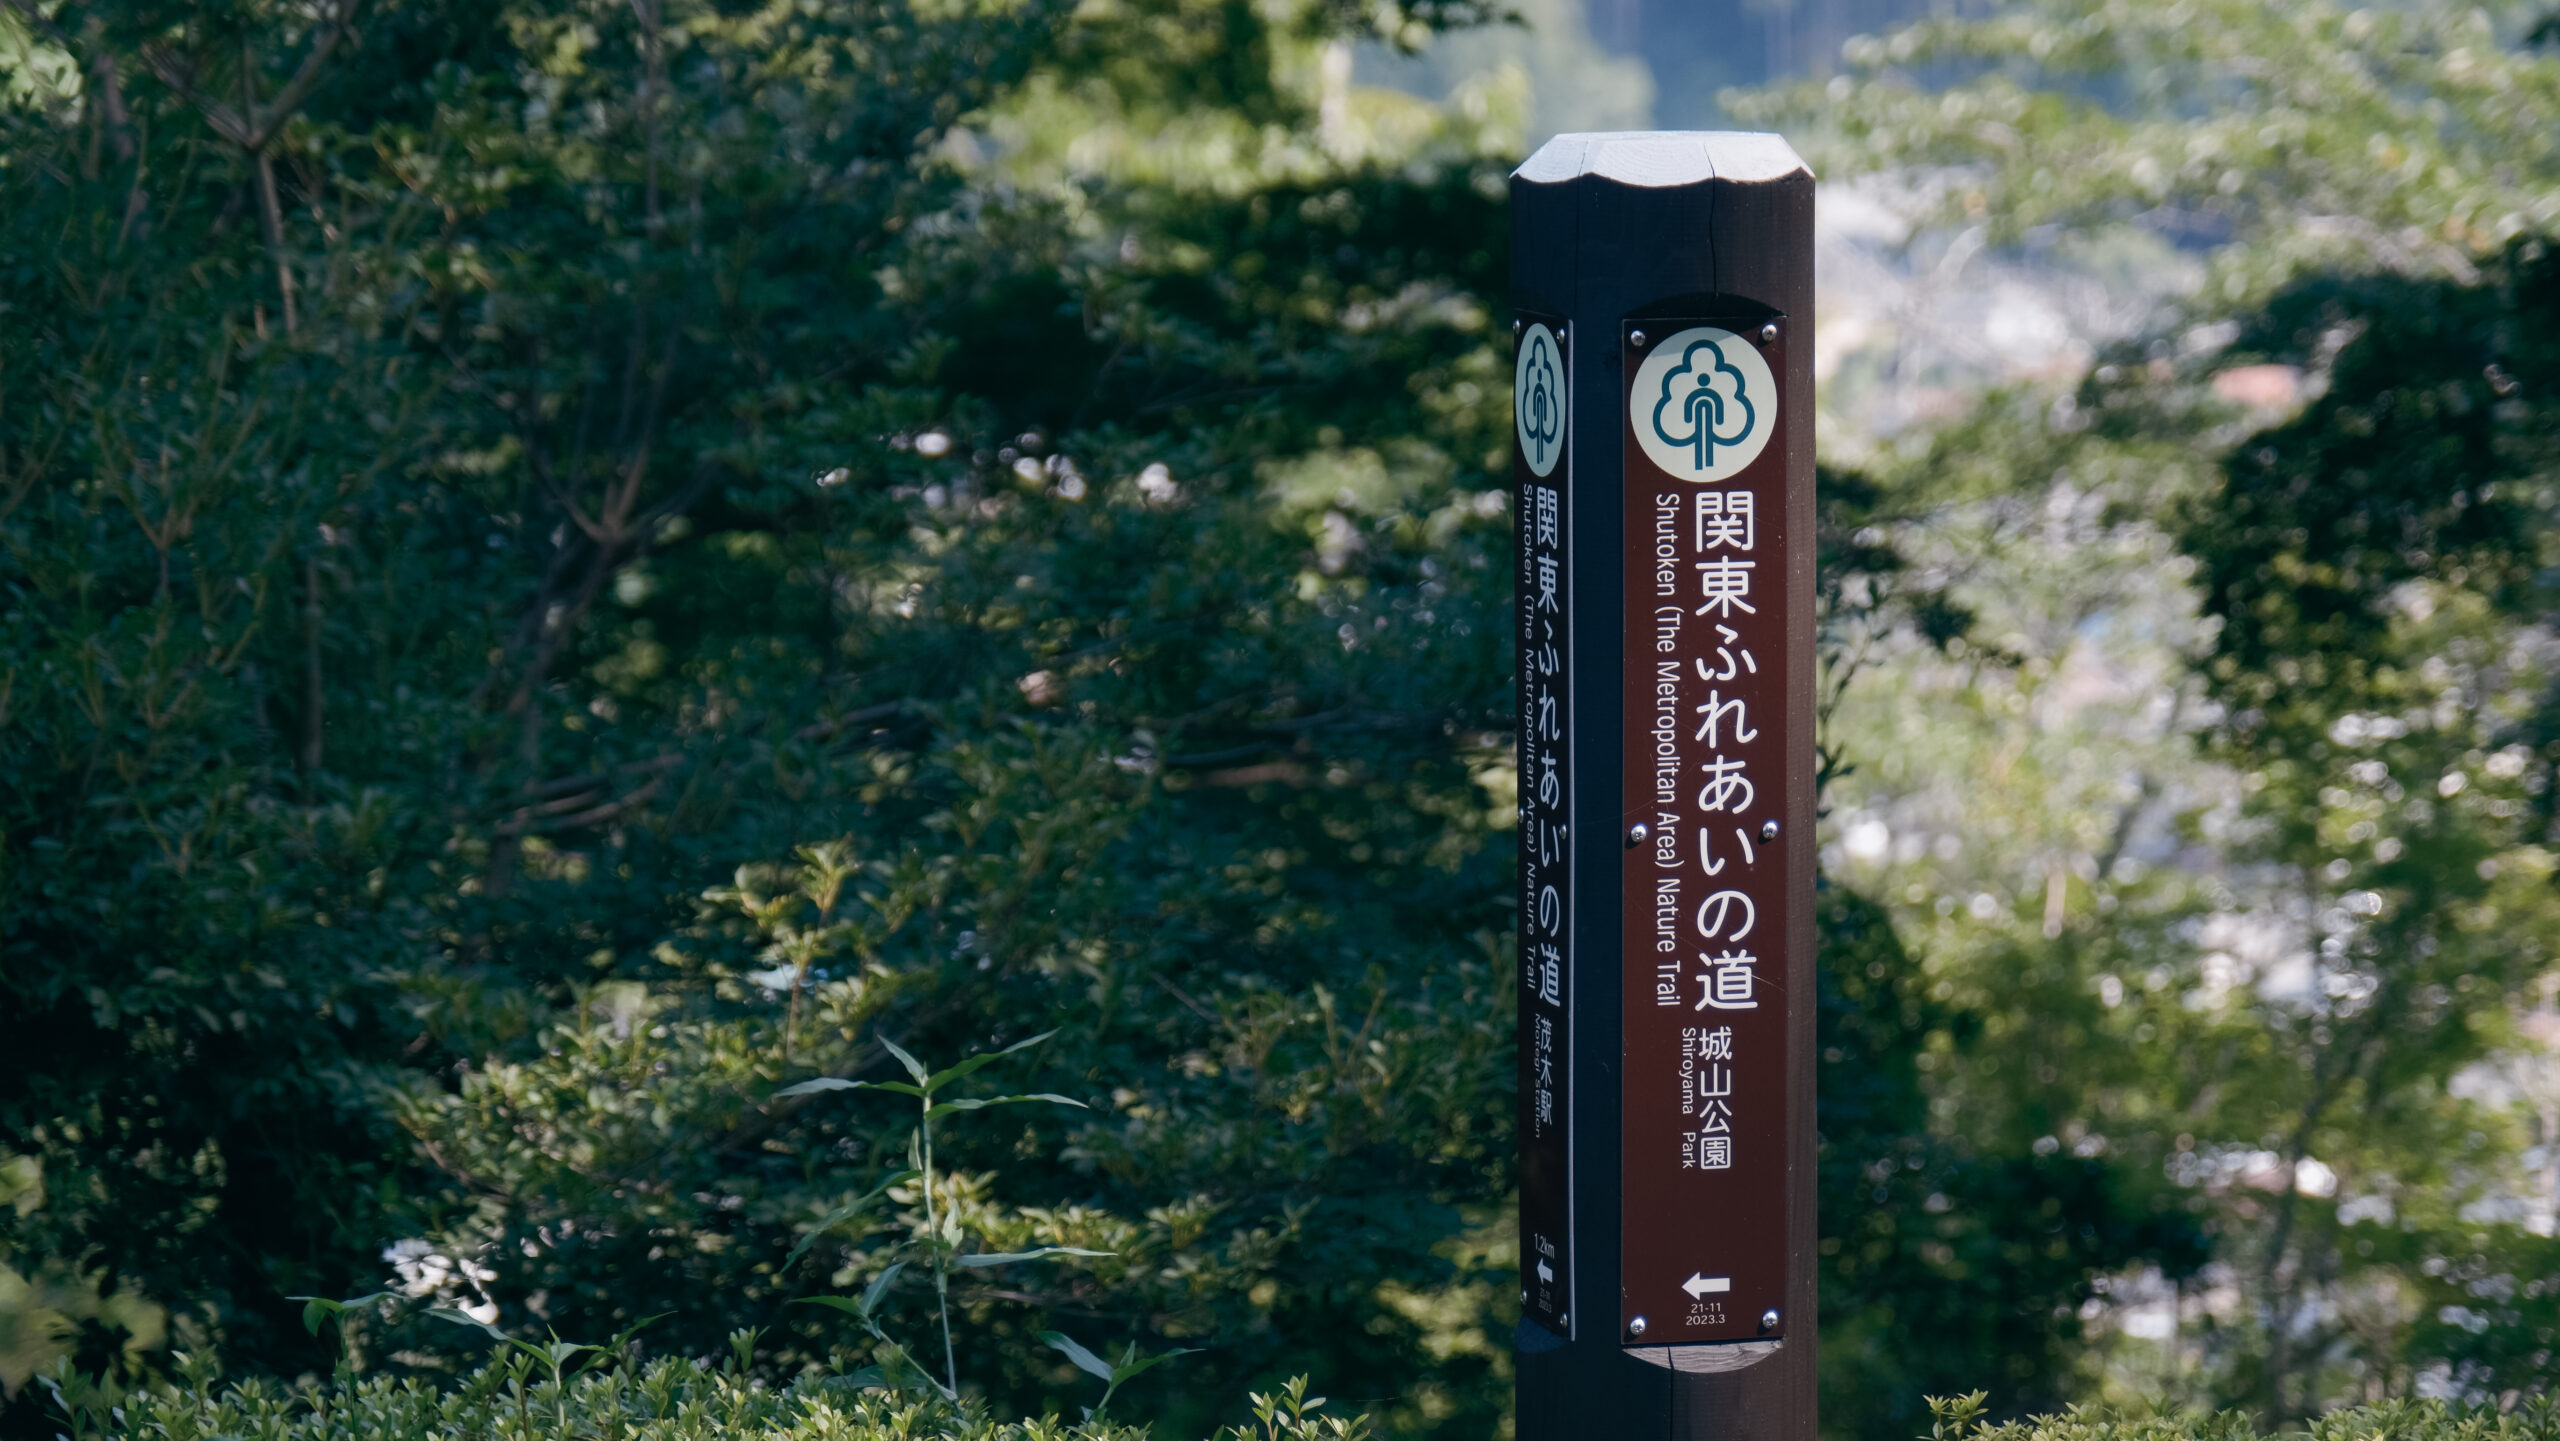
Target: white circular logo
x: 1537, y: 399
x: 1703, y: 404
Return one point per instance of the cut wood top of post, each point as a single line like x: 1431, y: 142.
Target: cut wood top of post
x: 1662, y: 158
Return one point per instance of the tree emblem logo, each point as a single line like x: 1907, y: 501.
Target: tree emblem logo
x: 1704, y: 403
x: 1537, y: 399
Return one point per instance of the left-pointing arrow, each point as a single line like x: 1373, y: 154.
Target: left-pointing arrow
x: 1698, y: 1285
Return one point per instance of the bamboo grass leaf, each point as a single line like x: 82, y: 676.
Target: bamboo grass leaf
x: 975, y: 1063
x: 999, y: 1258
x: 914, y: 1067
x: 1084, y: 1360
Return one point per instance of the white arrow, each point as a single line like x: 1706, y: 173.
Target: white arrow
x: 1545, y: 1277
x: 1698, y: 1285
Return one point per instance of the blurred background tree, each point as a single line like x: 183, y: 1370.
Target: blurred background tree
x: 572, y: 565
x: 491, y: 489
x: 2231, y: 821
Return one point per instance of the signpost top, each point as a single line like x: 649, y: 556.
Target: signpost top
x: 1660, y: 158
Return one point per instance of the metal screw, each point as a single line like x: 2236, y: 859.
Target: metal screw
x: 1769, y: 1319
x: 1768, y: 830
x: 1636, y: 1327
x: 1636, y: 834
x: 1518, y: 326
x: 1636, y: 339
x: 1768, y: 332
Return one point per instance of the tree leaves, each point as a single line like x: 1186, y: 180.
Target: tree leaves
x: 430, y: 716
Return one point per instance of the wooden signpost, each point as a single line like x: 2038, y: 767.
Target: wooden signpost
x: 1664, y: 472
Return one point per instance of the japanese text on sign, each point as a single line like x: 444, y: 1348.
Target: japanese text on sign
x: 1706, y: 788
x: 1542, y: 474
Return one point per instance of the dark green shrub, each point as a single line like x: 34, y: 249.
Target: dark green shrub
x: 667, y: 1400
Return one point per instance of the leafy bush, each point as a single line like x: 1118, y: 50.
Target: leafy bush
x: 676, y: 1399
x: 1959, y: 1418
x: 1096, y: 583
x: 668, y: 1399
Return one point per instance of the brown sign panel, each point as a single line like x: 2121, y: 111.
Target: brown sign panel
x: 1540, y: 469
x: 1704, y: 1239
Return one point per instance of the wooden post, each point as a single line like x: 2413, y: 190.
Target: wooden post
x: 1664, y: 465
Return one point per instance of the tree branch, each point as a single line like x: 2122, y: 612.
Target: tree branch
x: 180, y: 77
x: 251, y: 131
x: 305, y: 76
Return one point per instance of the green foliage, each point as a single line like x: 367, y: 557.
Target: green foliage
x: 2424, y: 458
x: 2418, y: 137
x: 665, y: 1400
x: 670, y: 1400
x: 2224, y: 836
x: 2378, y: 563
x: 1961, y: 1417
x: 55, y: 1305
x: 570, y: 567
x: 1943, y: 1243
x: 764, y: 552
x: 939, y: 1239
x: 1941, y: 1247
x: 1115, y: 1374
x: 584, y: 564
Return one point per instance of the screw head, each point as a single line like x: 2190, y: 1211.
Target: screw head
x: 1768, y: 332
x: 1518, y: 326
x: 1769, y: 1319
x: 1636, y: 1327
x: 1637, y: 833
x: 1768, y: 830
x: 1636, y: 339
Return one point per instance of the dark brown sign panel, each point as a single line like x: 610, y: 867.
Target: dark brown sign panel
x: 1705, y: 1245
x: 1539, y: 471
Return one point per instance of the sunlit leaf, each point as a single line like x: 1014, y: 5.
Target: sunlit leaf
x: 975, y: 1063
x: 1084, y: 1360
x: 972, y: 1103
x: 914, y: 1067
x: 458, y: 1318
x: 1000, y: 1258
